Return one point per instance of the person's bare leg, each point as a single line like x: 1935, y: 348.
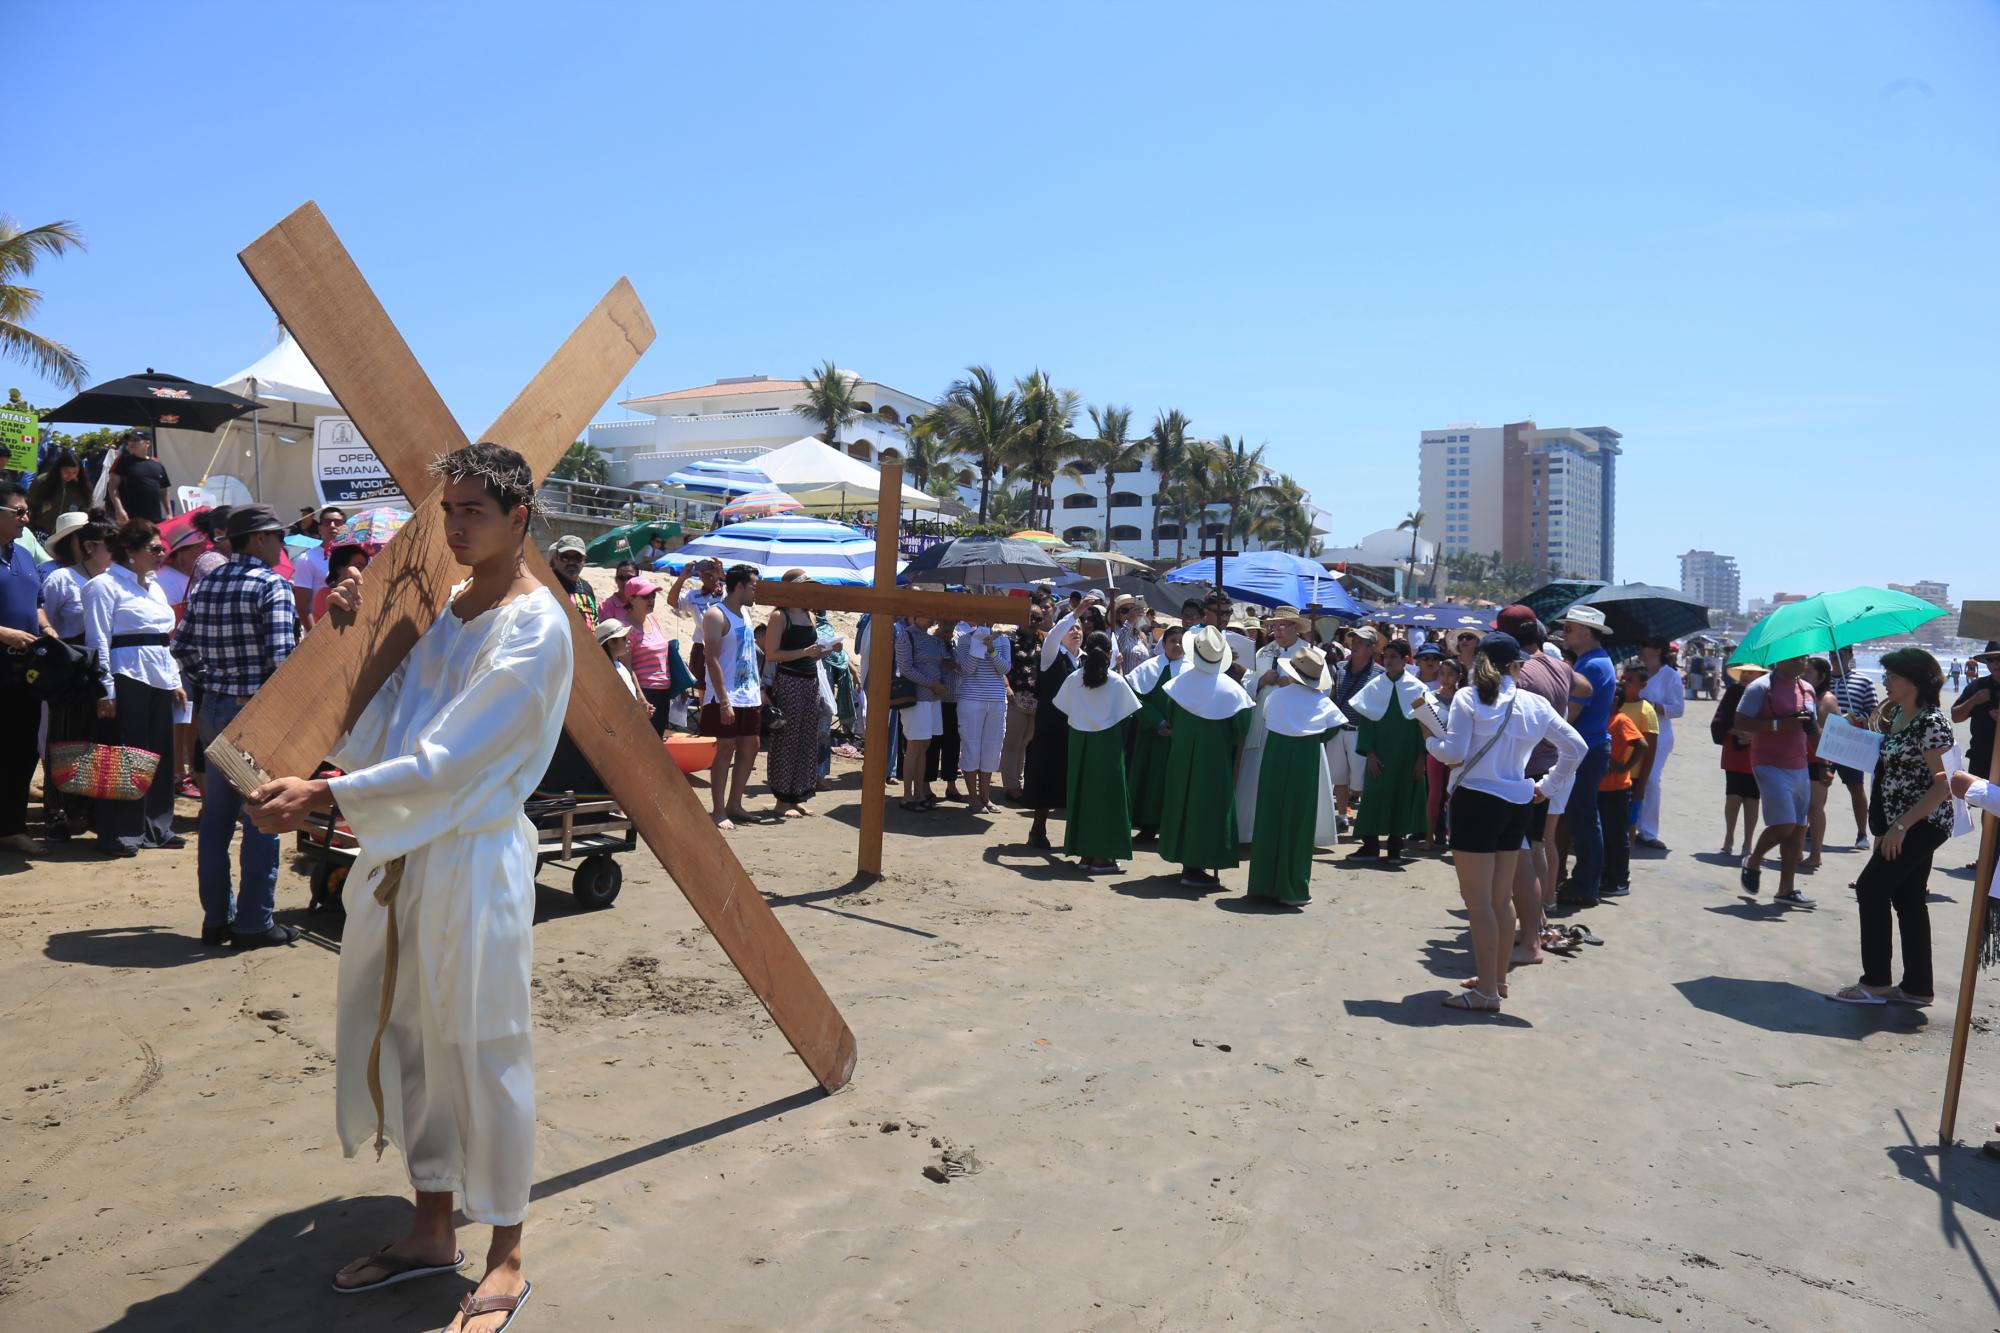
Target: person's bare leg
x: 430, y: 1238
x: 1770, y: 838
x: 1527, y: 907
x: 916, y: 787
x: 1343, y: 801
x: 1475, y: 887
x: 1504, y: 866
x: 718, y: 782
x: 503, y: 1278
x: 739, y: 782
x: 1730, y: 805
x: 1816, y: 825
x: 1858, y: 797
x: 1751, y: 806
x: 1551, y: 860
x: 1790, y: 848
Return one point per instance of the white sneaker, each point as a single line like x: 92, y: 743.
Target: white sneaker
x: 21, y: 842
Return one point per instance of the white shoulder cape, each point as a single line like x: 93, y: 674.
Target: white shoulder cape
x: 1147, y: 674
x: 1372, y: 700
x: 1097, y: 709
x: 1295, y: 710
x: 1212, y: 697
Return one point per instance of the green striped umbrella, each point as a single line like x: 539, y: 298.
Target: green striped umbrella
x: 1832, y: 620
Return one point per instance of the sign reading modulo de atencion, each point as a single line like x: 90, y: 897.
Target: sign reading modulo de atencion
x: 346, y: 471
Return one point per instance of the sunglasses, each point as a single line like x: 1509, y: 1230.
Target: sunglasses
x: 12, y: 512
x: 157, y: 549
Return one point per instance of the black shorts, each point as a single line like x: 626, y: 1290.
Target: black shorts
x: 1820, y: 772
x: 1538, y: 821
x: 1482, y: 822
x: 1850, y: 777
x: 1741, y: 784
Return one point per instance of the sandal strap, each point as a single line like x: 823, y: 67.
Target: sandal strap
x: 471, y: 1307
x: 403, y: 1263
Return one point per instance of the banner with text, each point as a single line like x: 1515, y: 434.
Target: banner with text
x: 346, y: 471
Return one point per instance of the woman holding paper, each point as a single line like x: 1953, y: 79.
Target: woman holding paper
x: 1911, y: 817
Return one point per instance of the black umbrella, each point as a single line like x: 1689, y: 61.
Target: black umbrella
x: 1634, y: 612
x: 1550, y: 598
x: 989, y: 560
x: 1164, y: 598
x: 155, y: 400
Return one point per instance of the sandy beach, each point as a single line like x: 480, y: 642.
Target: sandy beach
x: 1180, y: 1114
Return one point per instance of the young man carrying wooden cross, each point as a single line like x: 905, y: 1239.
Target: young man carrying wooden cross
x: 434, y: 1020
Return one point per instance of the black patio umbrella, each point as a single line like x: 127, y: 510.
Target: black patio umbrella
x: 1550, y: 598
x: 1164, y: 598
x: 1634, y: 612
x: 155, y: 400
x: 989, y: 560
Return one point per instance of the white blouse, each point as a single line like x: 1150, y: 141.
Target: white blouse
x: 116, y: 602
x: 1502, y: 770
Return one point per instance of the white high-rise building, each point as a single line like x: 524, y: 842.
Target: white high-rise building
x: 1543, y: 495
x: 1713, y: 580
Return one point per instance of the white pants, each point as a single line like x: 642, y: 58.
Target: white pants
x: 982, y: 726
x: 1345, y: 767
x: 1649, y: 809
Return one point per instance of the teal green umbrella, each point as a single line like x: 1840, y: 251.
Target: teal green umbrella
x: 1832, y: 620
x: 619, y: 543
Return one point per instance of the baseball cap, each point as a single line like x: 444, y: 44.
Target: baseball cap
x: 1431, y: 649
x: 1501, y: 649
x: 567, y: 544
x: 1515, y: 618
x: 638, y: 586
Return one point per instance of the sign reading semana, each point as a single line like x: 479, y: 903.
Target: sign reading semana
x: 346, y: 471
x: 20, y: 430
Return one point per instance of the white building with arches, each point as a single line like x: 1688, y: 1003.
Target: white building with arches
x: 1079, y: 515
x: 741, y: 417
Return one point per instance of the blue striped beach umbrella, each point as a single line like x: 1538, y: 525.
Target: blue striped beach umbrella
x: 719, y: 478
x: 829, y: 552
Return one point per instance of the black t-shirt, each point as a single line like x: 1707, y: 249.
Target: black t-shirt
x: 142, y: 487
x: 1979, y: 759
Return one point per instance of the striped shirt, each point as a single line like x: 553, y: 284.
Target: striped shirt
x: 981, y: 678
x: 1855, y: 694
x: 649, y: 656
x: 919, y: 657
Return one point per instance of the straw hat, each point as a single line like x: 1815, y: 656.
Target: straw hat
x: 1744, y: 672
x: 67, y: 524
x: 607, y: 630
x: 1208, y: 650
x: 1587, y: 616
x: 1290, y: 613
x: 1307, y: 666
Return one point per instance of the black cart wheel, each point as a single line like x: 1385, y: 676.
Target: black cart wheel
x: 327, y: 882
x: 597, y: 881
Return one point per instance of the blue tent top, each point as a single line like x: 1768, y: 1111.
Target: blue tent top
x: 1275, y: 578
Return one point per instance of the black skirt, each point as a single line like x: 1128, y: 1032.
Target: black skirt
x: 1045, y: 775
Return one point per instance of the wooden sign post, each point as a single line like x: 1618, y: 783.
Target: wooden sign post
x: 1968, y: 975
x: 884, y: 602
x: 294, y: 721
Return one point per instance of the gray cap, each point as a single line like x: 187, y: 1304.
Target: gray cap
x: 569, y: 543
x: 249, y: 520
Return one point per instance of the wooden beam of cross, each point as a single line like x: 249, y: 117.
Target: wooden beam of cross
x: 295, y: 720
x: 886, y: 600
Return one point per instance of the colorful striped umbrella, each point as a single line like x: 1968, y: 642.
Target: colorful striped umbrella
x: 1037, y: 536
x: 830, y: 552
x: 758, y: 504
x: 725, y: 478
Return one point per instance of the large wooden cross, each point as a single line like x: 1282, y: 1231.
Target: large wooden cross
x: 883, y: 602
x: 315, y: 697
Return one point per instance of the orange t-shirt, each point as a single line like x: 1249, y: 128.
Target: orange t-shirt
x: 1625, y: 733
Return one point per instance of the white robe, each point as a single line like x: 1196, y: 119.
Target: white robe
x: 1250, y: 763
x: 437, y: 769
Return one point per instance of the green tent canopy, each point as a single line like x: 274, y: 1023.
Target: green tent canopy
x: 619, y: 543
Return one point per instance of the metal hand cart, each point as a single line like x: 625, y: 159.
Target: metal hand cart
x: 589, y: 831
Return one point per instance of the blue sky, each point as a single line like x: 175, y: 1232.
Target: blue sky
x: 1757, y: 238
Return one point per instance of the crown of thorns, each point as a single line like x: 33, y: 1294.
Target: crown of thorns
x: 512, y: 483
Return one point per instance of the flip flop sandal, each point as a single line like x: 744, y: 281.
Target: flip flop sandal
x: 1897, y: 995
x: 1856, y: 995
x: 1582, y: 935
x: 401, y: 1269
x: 471, y: 1307
x: 1473, y: 1001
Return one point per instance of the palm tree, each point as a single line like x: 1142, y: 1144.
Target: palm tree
x: 1043, y: 445
x: 830, y: 400
x: 1237, y: 476
x: 1169, y: 443
x: 1110, y: 453
x: 1011, y: 509
x: 979, y: 420
x: 20, y: 251
x: 1412, y: 521
x: 582, y: 462
x: 1291, y: 515
x: 930, y: 455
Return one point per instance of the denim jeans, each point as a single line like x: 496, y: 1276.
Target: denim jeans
x: 1586, y: 834
x: 221, y: 811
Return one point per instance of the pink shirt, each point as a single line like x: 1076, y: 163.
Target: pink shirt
x: 1770, y: 697
x: 649, y: 656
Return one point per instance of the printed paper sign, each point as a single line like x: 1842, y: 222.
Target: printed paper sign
x: 346, y: 471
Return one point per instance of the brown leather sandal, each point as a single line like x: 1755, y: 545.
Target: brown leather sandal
x: 471, y: 1307
x: 400, y: 1268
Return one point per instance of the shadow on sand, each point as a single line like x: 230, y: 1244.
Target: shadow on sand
x: 1782, y: 1006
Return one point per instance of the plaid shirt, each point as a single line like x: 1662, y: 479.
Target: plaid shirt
x: 241, y: 622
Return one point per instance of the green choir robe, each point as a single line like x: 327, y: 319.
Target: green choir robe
x: 1098, y: 826
x: 1148, y: 773
x: 1281, y: 843
x: 1393, y: 800
x: 1198, y: 807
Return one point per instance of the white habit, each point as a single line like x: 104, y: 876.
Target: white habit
x: 1250, y: 763
x: 437, y: 769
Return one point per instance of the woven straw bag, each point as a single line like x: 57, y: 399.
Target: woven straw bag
x: 102, y: 772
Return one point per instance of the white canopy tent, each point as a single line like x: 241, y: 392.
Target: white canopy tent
x: 820, y: 477
x: 269, y: 453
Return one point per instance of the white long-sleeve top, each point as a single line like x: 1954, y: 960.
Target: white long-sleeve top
x: 117, y: 602
x: 1667, y: 694
x: 1502, y: 770
x: 1982, y: 795
x: 62, y: 600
